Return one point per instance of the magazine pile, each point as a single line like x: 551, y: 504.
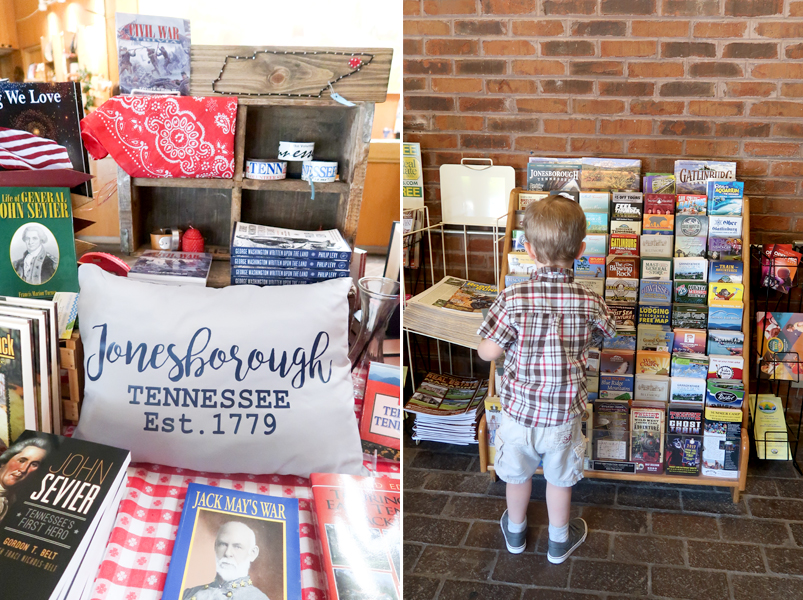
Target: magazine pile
x: 450, y: 310
x: 447, y: 408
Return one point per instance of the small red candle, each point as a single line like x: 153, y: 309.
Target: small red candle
x: 192, y: 240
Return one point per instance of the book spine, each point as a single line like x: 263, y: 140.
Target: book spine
x: 288, y: 263
x: 268, y: 281
x: 286, y: 273
x: 291, y: 253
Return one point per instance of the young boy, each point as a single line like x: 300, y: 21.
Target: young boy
x: 545, y: 327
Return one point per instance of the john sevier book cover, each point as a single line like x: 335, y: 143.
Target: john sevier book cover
x: 53, y: 490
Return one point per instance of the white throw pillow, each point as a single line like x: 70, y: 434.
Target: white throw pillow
x: 242, y: 379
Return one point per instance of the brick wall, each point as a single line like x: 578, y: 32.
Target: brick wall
x: 651, y: 79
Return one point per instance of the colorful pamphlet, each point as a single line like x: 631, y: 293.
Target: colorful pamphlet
x: 724, y: 227
x: 651, y: 362
x: 659, y: 204
x: 692, y: 176
x: 725, y: 367
x: 653, y: 388
x: 769, y: 429
x: 595, y: 201
x: 647, y: 438
x: 725, y: 248
x: 725, y: 271
x: 652, y: 291
x: 724, y: 393
x: 692, y: 204
x: 624, y: 313
x: 527, y: 198
x: 731, y: 293
x: 622, y: 267
x: 627, y: 210
x: 656, y: 246
x: 722, y: 442
x: 615, y: 387
x: 596, y: 245
x: 589, y: 266
x: 688, y: 316
x: 691, y: 225
x: 690, y: 293
x: 725, y: 197
x: 624, y: 245
x: 611, y: 174
x: 688, y: 389
x: 725, y: 315
x: 611, y: 427
x: 685, y: 364
x: 547, y: 174
x: 621, y: 290
x: 780, y: 345
x: 654, y: 337
x: 626, y: 227
x: 693, y: 247
x: 655, y: 314
x: 517, y: 241
x: 625, y: 339
x: 658, y: 183
x: 779, y: 265
x: 690, y: 340
x: 656, y: 268
x: 659, y: 222
x: 594, y: 284
x: 691, y: 269
x: 617, y: 362
x: 596, y: 222
x: 684, y: 442
x: 729, y: 343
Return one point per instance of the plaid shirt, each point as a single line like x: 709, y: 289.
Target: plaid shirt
x: 546, y: 326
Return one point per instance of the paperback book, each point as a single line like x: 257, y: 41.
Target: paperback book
x: 183, y: 268
x: 275, y: 263
x: 262, y: 240
x: 18, y: 399
x: 692, y: 176
x: 381, y: 418
x: 647, y: 440
x: 684, y: 440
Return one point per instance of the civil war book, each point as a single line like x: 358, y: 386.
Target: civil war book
x: 172, y: 268
x: 38, y: 259
x: 55, y: 517
x: 260, y: 537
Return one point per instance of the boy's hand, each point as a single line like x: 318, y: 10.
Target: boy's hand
x: 489, y: 350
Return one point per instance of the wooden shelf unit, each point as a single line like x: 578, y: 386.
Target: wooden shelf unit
x: 737, y: 484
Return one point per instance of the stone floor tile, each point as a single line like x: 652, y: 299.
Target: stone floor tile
x: 790, y: 488
x: 411, y: 554
x: 470, y: 590
x: 760, y: 587
x: 785, y: 560
x: 419, y: 588
x: 424, y: 504
x: 542, y: 594
x: 606, y: 576
x: 797, y: 533
x: 770, y: 508
x: 712, y: 502
x: 434, y: 531
x: 529, y: 569
x: 413, y: 478
x: 597, y: 544
x: 611, y: 519
x: 497, y: 488
x: 686, y: 584
x: 475, y: 507
x: 728, y: 557
x: 457, y: 482
x: 771, y: 468
x: 488, y: 534
x: 633, y: 495
x: 647, y: 549
x: 441, y: 461
x: 686, y: 526
x: 745, y: 529
x: 456, y: 562
x: 593, y: 491
x: 760, y: 486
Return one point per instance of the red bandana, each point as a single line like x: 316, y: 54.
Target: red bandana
x: 157, y: 136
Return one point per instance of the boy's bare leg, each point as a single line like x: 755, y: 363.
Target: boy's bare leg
x: 558, y: 504
x: 518, y: 498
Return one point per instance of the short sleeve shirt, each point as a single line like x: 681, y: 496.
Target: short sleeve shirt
x: 546, y: 326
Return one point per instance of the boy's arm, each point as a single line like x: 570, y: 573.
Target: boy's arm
x: 604, y: 325
x: 496, y: 331
x: 489, y: 350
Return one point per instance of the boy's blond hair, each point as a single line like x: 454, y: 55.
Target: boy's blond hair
x: 555, y: 228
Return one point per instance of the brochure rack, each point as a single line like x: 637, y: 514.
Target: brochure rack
x: 737, y: 484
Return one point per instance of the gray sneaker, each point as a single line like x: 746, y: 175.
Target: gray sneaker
x: 560, y: 551
x: 515, y: 542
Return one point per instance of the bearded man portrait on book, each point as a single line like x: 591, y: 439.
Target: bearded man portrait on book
x: 16, y: 463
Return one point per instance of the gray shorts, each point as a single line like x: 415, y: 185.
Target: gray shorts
x: 521, y: 450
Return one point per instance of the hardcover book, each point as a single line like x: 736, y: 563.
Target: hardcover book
x: 725, y: 227
x: 689, y: 340
x: 650, y: 362
x: 684, y: 440
x: 724, y: 315
x: 596, y: 245
x: 596, y: 222
x: 688, y: 389
x: 626, y: 227
x: 685, y: 364
x: 38, y: 258
x: 621, y: 290
x: 725, y: 248
x: 653, y: 291
x: 180, y: 268
x: 689, y: 316
x: 153, y: 54
x: 729, y: 343
x: 656, y: 268
x: 229, y: 539
x: 647, y: 439
x: 611, y: 174
x: 381, y: 418
x: 654, y: 388
x: 622, y: 266
x: 725, y: 367
x: 692, y: 176
x: 725, y: 271
x: 40, y: 125
x: 594, y: 201
x: 549, y: 174
x: 659, y: 204
x: 691, y: 225
x: 624, y: 313
x: 690, y: 247
x: 624, y: 245
x: 18, y: 398
x: 628, y: 210
x: 58, y: 514
x: 611, y: 425
x: 690, y: 293
x: 659, y: 183
x: 725, y: 197
x: 656, y: 246
x: 359, y: 526
x: 692, y: 204
x: 615, y: 387
x: 691, y: 269
x: 262, y: 240
x: 730, y: 293
x: 589, y: 266
x: 653, y: 223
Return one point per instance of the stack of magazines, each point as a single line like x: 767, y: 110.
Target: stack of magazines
x: 450, y: 310
x: 447, y: 408
x: 263, y: 255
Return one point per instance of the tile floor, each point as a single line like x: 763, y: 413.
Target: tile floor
x: 645, y: 541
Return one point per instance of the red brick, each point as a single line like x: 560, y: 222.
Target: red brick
x: 567, y: 86
x: 480, y: 67
x: 412, y: 47
x: 428, y: 103
x: 413, y: 122
x: 426, y: 27
x: 586, y: 126
x: 480, y: 27
x: 596, y: 145
x: 433, y: 140
x: 518, y: 124
x: 655, y: 146
x: 687, y: 88
x: 753, y: 8
x: 786, y: 169
x: 796, y: 9
x: 742, y: 129
x: 752, y: 168
x: 483, y: 104
x: 570, y: 7
x: 627, y: 7
x: 771, y: 149
x: 628, y: 48
x: 729, y: 29
x: 652, y: 107
x: 414, y: 84
x: 625, y: 127
x: 770, y: 223
x: 538, y: 67
x: 662, y: 29
x: 456, y: 85
x: 765, y: 187
x: 511, y: 86
x: 537, y: 28
x: 436, y: 159
x: 653, y: 70
x: 703, y: 108
x: 450, y: 7
x: 750, y: 50
x: 433, y: 66
x: 542, y: 105
x: 715, y: 69
x: 794, y: 130
x: 596, y: 67
x: 459, y: 122
x: 598, y: 107
x: 533, y: 143
x: 492, y: 142
x: 412, y: 7
x: 507, y: 48
x: 710, y: 148
x: 794, y: 51
x: 689, y: 8
x: 792, y: 90
x: 599, y: 28
x: 684, y: 128
x: 780, y: 29
x: 779, y: 70
x: 452, y: 46
x: 771, y: 108
x: 626, y: 88
x: 749, y: 88
x: 567, y: 48
x: 686, y: 49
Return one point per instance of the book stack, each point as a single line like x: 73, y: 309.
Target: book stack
x: 447, y: 408
x: 263, y: 255
x: 450, y: 310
